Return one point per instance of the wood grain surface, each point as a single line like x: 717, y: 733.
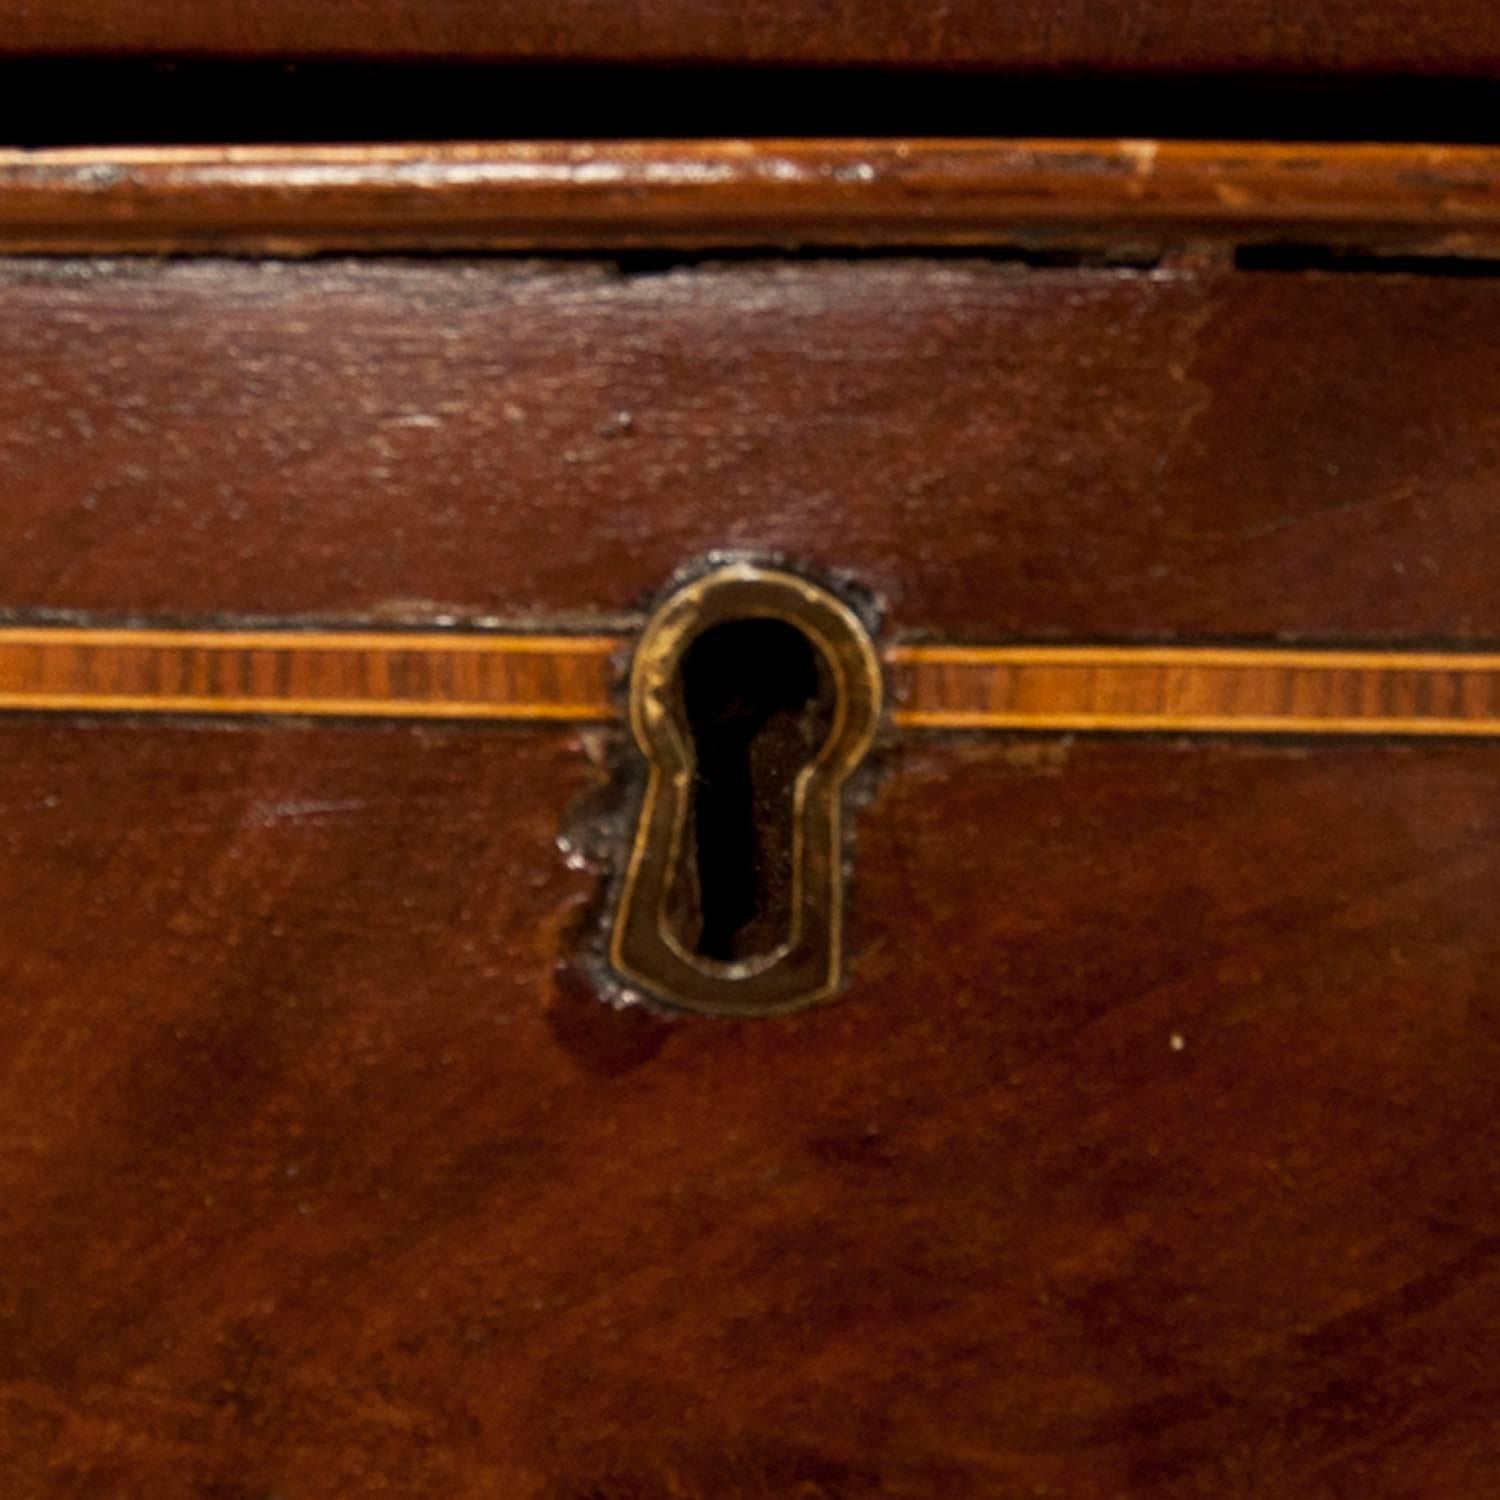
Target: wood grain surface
x: 1440, y: 37
x: 534, y: 678
x: 617, y: 195
x: 1151, y: 1153
x: 996, y: 452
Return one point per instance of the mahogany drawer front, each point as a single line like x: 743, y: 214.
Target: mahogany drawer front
x: 1150, y: 1148
x: 1150, y: 1151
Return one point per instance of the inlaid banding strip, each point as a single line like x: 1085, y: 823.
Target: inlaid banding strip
x: 448, y: 675
x: 1192, y: 689
x: 395, y: 674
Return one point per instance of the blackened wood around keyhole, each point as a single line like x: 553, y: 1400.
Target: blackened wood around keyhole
x: 757, y: 701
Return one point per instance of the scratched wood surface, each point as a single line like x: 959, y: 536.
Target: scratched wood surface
x: 1151, y: 1154
x: 997, y: 452
x: 1149, y: 37
x: 612, y: 195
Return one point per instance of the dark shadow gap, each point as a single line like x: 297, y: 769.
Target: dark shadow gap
x: 1301, y: 258
x: 757, y: 702
x: 59, y: 102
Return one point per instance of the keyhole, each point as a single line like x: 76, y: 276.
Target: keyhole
x: 757, y: 702
x: 754, y: 693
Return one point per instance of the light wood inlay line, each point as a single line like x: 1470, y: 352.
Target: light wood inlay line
x: 448, y: 675
x: 1191, y: 689
x: 355, y: 674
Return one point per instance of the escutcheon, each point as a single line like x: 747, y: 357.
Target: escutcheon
x: 754, y: 694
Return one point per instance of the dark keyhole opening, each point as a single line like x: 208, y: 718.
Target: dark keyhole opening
x: 757, y: 701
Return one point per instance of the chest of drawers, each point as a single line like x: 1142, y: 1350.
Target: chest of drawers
x: 1130, y: 1128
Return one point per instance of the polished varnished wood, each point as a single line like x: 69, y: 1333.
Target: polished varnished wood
x: 996, y: 452
x: 1151, y: 1153
x: 1150, y: 1150
x: 507, y: 675
x: 1440, y: 37
x: 1139, y: 195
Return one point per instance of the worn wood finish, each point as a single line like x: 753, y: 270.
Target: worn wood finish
x: 1442, y: 37
x: 1151, y: 1154
x: 527, y: 677
x: 997, y: 452
x: 615, y: 195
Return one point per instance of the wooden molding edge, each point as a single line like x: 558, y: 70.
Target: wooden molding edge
x: 449, y: 675
x: 614, y: 196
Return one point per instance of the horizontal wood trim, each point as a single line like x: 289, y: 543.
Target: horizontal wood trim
x: 1198, y: 690
x: 1040, y: 37
x: 327, y: 675
x: 622, y: 195
x: 438, y: 675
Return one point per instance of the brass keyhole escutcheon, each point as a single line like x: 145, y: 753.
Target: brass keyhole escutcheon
x: 754, y: 694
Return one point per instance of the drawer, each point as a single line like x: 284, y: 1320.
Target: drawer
x: 1144, y: 1145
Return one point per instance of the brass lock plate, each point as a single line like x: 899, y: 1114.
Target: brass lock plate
x: 754, y: 695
